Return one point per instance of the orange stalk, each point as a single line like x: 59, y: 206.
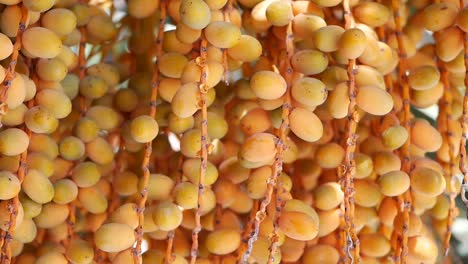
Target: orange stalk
x: 282, y: 134
x: 201, y: 61
x: 170, y: 243
x: 5, y: 85
x: 11, y: 74
x: 401, y: 252
x: 464, y: 124
x: 347, y: 171
x: 141, y: 204
x: 278, y: 164
x: 446, y: 117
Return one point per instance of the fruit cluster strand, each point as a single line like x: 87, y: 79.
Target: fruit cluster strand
x: 222, y: 131
x: 401, y: 251
x: 349, y: 167
x: 6, y: 236
x: 145, y: 166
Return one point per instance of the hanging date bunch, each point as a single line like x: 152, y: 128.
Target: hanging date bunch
x: 232, y: 131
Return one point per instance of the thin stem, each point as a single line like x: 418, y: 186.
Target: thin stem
x: 105, y: 48
x: 278, y: 164
x: 464, y: 124
x: 282, y: 134
x: 83, y: 104
x: 171, y: 234
x: 227, y: 17
x: 82, y: 69
x: 446, y: 116
x: 11, y: 74
x: 13, y: 204
x: 401, y: 252
x: 248, y: 230
x: 141, y: 204
x: 170, y: 243
x: 201, y: 61
x: 348, y: 169
x: 118, y: 168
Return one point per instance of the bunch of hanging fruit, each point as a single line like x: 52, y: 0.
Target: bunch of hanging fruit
x: 231, y: 131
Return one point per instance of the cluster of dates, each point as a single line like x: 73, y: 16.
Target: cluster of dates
x: 231, y: 131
